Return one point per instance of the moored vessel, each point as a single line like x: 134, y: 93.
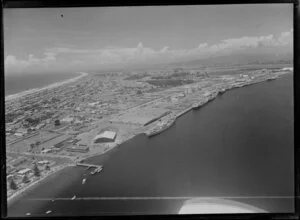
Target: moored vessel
x: 165, y: 125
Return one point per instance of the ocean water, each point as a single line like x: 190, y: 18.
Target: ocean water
x: 239, y: 145
x: 18, y: 83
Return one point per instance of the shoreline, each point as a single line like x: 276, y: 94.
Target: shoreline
x: 51, y: 86
x: 25, y: 190
x: 179, y: 114
x: 86, y: 157
x: 17, y: 195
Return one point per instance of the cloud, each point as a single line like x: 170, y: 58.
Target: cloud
x: 164, y: 49
x: 12, y: 62
x: 202, y: 45
x: 286, y: 38
x: 141, y: 54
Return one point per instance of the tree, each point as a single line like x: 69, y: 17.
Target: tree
x: 47, y: 167
x: 13, y: 185
x: 57, y: 122
x: 36, y: 170
x: 32, y: 146
x: 25, y: 179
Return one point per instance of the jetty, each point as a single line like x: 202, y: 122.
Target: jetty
x: 89, y: 165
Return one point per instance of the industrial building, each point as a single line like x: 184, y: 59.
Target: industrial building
x: 106, y: 136
x: 80, y: 149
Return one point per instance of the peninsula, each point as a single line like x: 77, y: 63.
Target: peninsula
x: 58, y: 126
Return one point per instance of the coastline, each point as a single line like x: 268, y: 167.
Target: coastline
x: 51, y: 86
x: 17, y: 195
x: 179, y: 114
x: 211, y: 97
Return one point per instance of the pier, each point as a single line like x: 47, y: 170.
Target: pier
x: 89, y: 165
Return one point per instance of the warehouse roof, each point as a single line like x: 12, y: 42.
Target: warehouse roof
x: 106, y: 134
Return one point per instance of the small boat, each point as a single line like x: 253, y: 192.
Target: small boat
x: 93, y: 172
x: 48, y: 212
x: 52, y: 200
x: 28, y: 213
x: 74, y: 197
x: 83, y: 181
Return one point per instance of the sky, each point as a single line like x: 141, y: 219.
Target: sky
x: 76, y: 39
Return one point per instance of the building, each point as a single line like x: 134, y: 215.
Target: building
x: 67, y: 120
x: 25, y: 171
x: 62, y: 143
x: 19, y: 134
x: 106, y: 136
x: 48, y: 150
x: 55, y: 150
x: 80, y: 149
x: 9, y: 177
x: 39, y: 126
x: 22, y: 131
x: 43, y: 162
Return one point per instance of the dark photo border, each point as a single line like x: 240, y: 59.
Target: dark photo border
x: 89, y: 3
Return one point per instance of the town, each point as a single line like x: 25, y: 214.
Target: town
x: 59, y: 127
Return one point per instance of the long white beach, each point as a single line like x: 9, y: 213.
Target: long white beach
x: 51, y: 86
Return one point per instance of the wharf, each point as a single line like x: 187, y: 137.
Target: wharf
x: 183, y: 112
x: 88, y: 165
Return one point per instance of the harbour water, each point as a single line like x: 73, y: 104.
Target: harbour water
x: 239, y: 145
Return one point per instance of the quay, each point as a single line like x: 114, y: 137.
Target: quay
x: 184, y: 111
x: 89, y: 165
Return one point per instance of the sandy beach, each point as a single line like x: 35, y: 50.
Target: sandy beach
x: 51, y: 86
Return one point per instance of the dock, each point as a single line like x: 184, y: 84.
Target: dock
x: 184, y: 111
x: 89, y: 165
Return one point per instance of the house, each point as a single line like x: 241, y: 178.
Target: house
x: 18, y: 134
x: 43, y: 162
x: 67, y: 120
x: 9, y: 177
x: 40, y: 126
x: 54, y: 149
x: 22, y: 131
x: 25, y: 171
x: 47, y: 150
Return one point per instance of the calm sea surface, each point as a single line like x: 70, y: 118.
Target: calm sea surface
x: 240, y: 144
x: 19, y: 83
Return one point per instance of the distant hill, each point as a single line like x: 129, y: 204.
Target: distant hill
x: 238, y: 59
x: 224, y: 60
